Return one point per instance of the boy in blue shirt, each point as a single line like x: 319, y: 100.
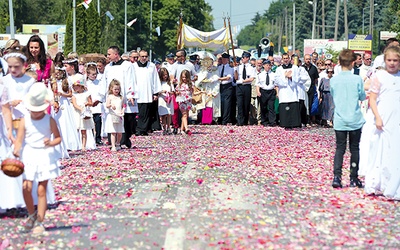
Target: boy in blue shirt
x: 347, y: 90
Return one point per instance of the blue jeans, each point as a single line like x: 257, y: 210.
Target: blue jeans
x: 354, y: 145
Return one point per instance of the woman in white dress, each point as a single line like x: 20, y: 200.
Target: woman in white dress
x: 115, y: 117
x: 9, y: 196
x: 165, y: 103
x: 380, y: 139
x: 64, y: 114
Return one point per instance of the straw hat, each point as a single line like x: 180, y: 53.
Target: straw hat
x: 38, y: 97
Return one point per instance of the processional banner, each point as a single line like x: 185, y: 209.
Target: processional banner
x: 191, y: 37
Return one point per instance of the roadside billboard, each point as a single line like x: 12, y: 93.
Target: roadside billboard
x: 322, y: 45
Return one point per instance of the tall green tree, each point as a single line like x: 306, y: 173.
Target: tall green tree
x: 87, y: 31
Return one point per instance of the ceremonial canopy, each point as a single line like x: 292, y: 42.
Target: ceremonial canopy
x: 191, y: 37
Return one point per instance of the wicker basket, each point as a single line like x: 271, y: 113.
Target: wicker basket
x: 12, y: 167
x: 15, y: 123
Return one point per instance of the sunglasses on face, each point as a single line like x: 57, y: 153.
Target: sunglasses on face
x: 327, y: 64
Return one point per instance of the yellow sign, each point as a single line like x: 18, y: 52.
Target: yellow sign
x: 360, y: 44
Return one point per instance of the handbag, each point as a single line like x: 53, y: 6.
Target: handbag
x: 197, y: 98
x: 168, y: 98
x: 86, y: 114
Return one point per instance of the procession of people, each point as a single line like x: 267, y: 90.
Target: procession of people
x: 114, y: 98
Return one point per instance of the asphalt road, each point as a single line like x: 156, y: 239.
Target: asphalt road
x: 220, y: 188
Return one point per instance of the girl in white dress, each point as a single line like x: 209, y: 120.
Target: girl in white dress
x: 36, y: 148
x: 8, y: 185
x: 82, y: 101
x: 64, y: 114
x: 115, y: 117
x: 184, y: 92
x: 165, y: 103
x: 18, y: 84
x: 380, y: 138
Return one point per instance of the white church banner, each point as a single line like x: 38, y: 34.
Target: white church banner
x: 191, y: 37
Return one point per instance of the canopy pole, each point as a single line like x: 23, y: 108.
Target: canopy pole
x: 230, y: 33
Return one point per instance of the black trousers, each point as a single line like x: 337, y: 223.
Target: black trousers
x: 97, y: 127
x: 233, y: 106
x: 243, y: 99
x: 310, y: 94
x: 289, y: 115
x: 226, y: 102
x: 144, y: 121
x: 303, y: 112
x: 354, y: 145
x: 267, y: 105
x: 154, y: 117
x: 130, y: 124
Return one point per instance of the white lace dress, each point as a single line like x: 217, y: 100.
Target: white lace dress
x: 380, y: 149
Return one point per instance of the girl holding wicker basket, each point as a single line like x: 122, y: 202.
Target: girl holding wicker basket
x: 37, y: 137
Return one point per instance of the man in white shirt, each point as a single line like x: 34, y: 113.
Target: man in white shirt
x: 122, y: 71
x: 244, y: 75
x: 265, y: 84
x: 366, y: 66
x: 146, y: 90
x: 169, y: 62
x: 225, y: 71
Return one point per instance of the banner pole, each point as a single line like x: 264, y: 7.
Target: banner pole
x: 230, y: 33
x: 224, y: 21
x: 179, y: 38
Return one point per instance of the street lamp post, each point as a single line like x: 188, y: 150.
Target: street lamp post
x: 151, y: 29
x: 363, y: 19
x: 294, y: 27
x: 125, y: 30
x: 363, y: 16
x: 10, y: 8
x: 314, y: 4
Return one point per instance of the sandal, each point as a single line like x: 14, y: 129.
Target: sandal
x: 30, y: 222
x: 39, y: 229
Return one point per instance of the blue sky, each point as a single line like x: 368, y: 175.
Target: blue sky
x: 242, y: 10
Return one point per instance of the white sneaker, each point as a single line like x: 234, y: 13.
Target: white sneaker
x: 113, y: 149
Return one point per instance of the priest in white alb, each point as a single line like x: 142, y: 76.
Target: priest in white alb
x: 147, y: 88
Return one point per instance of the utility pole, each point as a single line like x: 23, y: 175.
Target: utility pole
x: 371, y: 17
x: 337, y: 19
x: 294, y: 27
x: 323, y: 19
x: 346, y: 24
x: 286, y: 27
x: 74, y: 26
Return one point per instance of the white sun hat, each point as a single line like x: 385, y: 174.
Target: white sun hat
x: 38, y: 98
